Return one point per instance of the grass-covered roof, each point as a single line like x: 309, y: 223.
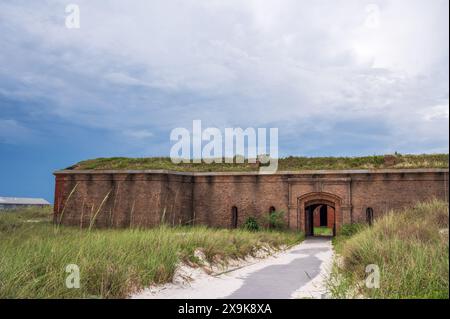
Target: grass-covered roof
x: 291, y: 163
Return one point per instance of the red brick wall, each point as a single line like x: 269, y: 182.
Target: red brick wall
x: 214, y: 197
x: 123, y: 200
x: 316, y: 216
x: 142, y: 198
x: 330, y: 217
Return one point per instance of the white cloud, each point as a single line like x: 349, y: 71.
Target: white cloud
x: 438, y: 112
x: 255, y: 63
x: 121, y: 78
x: 139, y: 134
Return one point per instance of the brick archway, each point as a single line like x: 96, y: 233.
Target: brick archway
x: 315, y: 198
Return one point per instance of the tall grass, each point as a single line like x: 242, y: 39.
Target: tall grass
x: 112, y: 263
x: 409, y: 246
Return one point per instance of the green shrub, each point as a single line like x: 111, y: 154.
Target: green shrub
x: 348, y: 230
x: 251, y: 224
x: 275, y: 220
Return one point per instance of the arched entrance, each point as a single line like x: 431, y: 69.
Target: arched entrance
x: 319, y: 213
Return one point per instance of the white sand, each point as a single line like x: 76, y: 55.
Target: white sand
x: 191, y: 283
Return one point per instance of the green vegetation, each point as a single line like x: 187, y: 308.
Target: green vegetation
x: 275, y: 220
x: 409, y: 246
x: 270, y: 221
x: 251, y: 224
x: 349, y: 230
x: 113, y: 262
x: 323, y: 231
x: 284, y: 164
x: 346, y: 232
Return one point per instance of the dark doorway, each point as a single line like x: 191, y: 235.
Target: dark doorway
x: 323, y: 216
x: 369, y: 215
x: 319, y: 220
x: 309, y: 226
x: 234, y: 217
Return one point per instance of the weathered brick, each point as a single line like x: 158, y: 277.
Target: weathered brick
x: 147, y: 198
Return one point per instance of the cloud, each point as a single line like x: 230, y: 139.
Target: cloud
x: 12, y: 132
x: 436, y: 113
x: 306, y: 67
x: 139, y: 134
x: 124, y: 79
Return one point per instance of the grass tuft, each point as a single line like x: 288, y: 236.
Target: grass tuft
x: 409, y: 246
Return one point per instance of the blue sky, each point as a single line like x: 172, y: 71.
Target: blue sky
x: 347, y: 78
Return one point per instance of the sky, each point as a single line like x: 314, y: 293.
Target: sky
x: 337, y: 78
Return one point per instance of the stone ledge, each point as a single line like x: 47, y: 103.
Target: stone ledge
x: 305, y: 172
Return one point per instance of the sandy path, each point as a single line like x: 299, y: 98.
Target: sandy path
x: 296, y: 273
